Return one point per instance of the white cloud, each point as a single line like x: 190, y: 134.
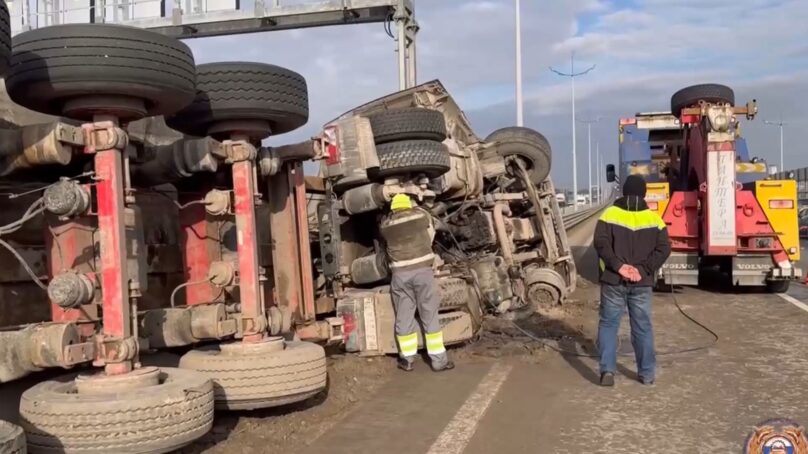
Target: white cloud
x: 643, y: 54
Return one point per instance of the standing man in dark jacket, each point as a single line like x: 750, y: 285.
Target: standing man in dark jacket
x: 632, y: 244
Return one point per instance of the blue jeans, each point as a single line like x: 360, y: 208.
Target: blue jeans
x: 613, y: 302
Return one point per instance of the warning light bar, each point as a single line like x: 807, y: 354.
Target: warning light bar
x: 781, y: 204
x: 628, y: 121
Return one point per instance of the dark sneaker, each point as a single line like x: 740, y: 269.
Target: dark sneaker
x: 607, y: 379
x: 647, y: 381
x: 448, y: 366
x: 405, y: 365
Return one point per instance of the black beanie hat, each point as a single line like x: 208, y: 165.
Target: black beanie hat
x: 634, y: 185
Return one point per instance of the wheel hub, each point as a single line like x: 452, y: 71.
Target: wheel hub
x: 121, y: 107
x: 265, y: 346
x: 102, y: 383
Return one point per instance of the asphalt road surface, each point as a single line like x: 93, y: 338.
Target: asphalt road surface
x: 510, y: 394
x: 706, y: 400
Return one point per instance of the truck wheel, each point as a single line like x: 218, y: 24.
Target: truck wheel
x: 777, y: 286
x: 529, y: 145
x: 412, y: 156
x: 12, y: 439
x: 267, y: 374
x: 53, y: 64
x: 5, y: 38
x: 690, y: 96
x: 240, y: 91
x: 408, y: 124
x: 151, y: 419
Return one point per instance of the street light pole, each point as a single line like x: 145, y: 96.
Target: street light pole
x: 779, y: 124
x: 519, y: 106
x: 599, y: 170
x: 589, y: 139
x: 572, y: 75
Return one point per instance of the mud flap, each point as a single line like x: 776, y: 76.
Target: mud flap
x: 751, y: 270
x: 369, y: 320
x: 680, y: 269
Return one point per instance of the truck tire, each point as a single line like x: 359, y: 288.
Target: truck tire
x: 408, y: 124
x: 52, y: 64
x: 12, y: 439
x: 153, y: 419
x: 454, y: 293
x: 5, y: 39
x: 530, y: 145
x: 690, y: 96
x: 412, y: 156
x: 777, y: 286
x: 246, y: 380
x: 239, y: 91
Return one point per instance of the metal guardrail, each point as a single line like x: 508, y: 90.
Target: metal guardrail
x: 571, y: 218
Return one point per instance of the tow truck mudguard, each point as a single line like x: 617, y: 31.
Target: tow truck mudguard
x: 680, y: 269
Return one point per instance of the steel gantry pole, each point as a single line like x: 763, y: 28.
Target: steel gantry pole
x: 779, y: 124
x: 572, y: 75
x: 599, y: 170
x: 401, y: 44
x: 519, y: 101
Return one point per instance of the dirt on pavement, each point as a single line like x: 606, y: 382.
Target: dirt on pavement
x: 354, y: 379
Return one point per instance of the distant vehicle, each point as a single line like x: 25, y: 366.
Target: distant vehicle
x: 803, y: 222
x: 561, y: 199
x: 582, y: 200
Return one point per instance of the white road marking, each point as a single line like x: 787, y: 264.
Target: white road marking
x: 461, y: 428
x: 794, y: 301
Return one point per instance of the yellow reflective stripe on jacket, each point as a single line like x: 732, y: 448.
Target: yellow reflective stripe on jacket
x: 434, y: 343
x: 632, y: 220
x: 408, y: 344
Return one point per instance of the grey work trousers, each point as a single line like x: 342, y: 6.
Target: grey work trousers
x: 413, y: 290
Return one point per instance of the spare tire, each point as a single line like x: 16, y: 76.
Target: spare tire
x: 251, y: 376
x: 690, y: 96
x: 530, y: 145
x: 161, y: 418
x: 5, y: 38
x: 243, y: 91
x: 53, y: 64
x: 411, y: 157
x: 12, y: 438
x: 412, y: 123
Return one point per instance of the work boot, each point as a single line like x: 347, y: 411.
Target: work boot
x: 448, y: 365
x: 405, y: 365
x: 607, y: 379
x: 646, y: 381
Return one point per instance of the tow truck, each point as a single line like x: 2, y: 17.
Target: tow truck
x: 700, y: 179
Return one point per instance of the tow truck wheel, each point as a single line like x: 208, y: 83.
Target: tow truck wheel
x: 52, y: 65
x: 690, y: 96
x: 412, y: 123
x: 245, y: 92
x: 777, y: 286
x: 141, y: 416
x: 247, y: 376
x: 529, y: 145
x: 12, y: 439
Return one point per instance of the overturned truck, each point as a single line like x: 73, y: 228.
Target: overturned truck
x: 500, y: 244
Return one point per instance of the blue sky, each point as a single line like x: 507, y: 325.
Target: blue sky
x: 644, y: 51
